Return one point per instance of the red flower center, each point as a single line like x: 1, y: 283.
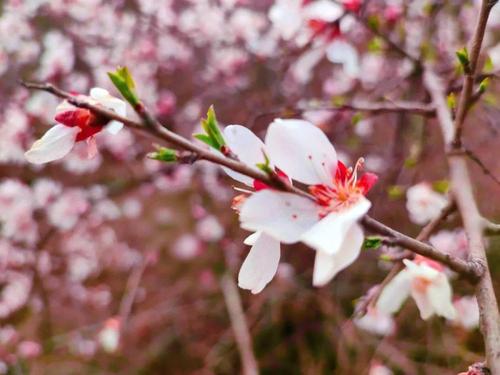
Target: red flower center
x: 346, y: 190
x: 89, y: 123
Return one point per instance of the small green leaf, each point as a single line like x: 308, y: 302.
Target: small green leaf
x: 488, y: 65
x: 483, y: 86
x: 206, y: 139
x: 373, y: 22
x: 266, y: 166
x: 123, y: 81
x: 451, y: 100
x: 375, y: 45
x: 163, y: 154
x: 212, y: 130
x: 463, y: 58
x: 338, y: 101
x: 410, y: 162
x: 356, y: 118
x: 385, y: 258
x: 372, y: 243
x: 441, y: 186
x: 395, y: 192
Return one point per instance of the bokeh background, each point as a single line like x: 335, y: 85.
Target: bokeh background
x: 124, y: 245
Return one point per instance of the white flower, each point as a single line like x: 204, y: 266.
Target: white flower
x: 75, y: 125
x: 327, y: 223
x: 426, y: 282
x: 376, y: 322
x: 109, y: 336
x: 423, y: 203
x: 467, y: 312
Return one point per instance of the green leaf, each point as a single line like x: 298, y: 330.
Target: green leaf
x: 373, y: 22
x: 451, y: 100
x: 488, y: 65
x: 463, y: 58
x: 375, y: 45
x: 483, y: 86
x: 266, y: 166
x: 356, y: 118
x: 214, y: 137
x: 123, y: 81
x: 441, y: 186
x: 385, y: 258
x: 206, y: 139
x: 395, y: 192
x: 372, y: 243
x: 163, y: 154
x: 410, y: 162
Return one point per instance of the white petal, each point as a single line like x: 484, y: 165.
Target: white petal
x: 423, y: 303
x: 302, y: 151
x: 439, y: 294
x: 395, y: 293
x: 284, y: 216
x: 251, y: 239
x: 342, y: 52
x: 328, y: 234
x: 324, y: 10
x: 247, y: 146
x: 260, y: 265
x: 114, y: 127
x: 56, y: 143
x: 103, y: 97
x: 326, y: 266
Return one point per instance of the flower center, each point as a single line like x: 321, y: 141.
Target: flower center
x: 345, y: 190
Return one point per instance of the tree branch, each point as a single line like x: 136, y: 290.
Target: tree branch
x: 470, y: 72
x: 153, y: 127
x: 462, y: 190
x: 239, y: 325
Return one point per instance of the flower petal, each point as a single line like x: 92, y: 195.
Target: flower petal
x: 326, y: 266
x: 328, y: 234
x: 56, y: 143
x: 103, y: 97
x: 342, y: 52
x: 251, y: 239
x: 395, y: 293
x: 247, y: 147
x: 260, y: 265
x: 284, y: 216
x: 423, y: 303
x: 302, y: 151
x: 439, y: 294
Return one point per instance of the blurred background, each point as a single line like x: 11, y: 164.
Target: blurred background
x: 121, y: 264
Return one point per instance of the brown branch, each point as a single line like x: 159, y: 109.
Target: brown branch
x: 416, y: 108
x: 153, y: 127
x: 470, y: 71
x: 239, y: 325
x: 473, y: 222
x: 421, y: 248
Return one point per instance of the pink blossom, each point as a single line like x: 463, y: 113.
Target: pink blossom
x: 186, y: 247
x: 423, y: 203
x: 428, y: 285
x: 376, y: 322
x: 467, y: 312
x: 209, y: 229
x: 29, y: 349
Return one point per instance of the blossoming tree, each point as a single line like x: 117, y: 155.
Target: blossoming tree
x: 101, y: 194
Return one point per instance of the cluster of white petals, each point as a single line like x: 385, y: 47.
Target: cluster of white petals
x: 302, y: 152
